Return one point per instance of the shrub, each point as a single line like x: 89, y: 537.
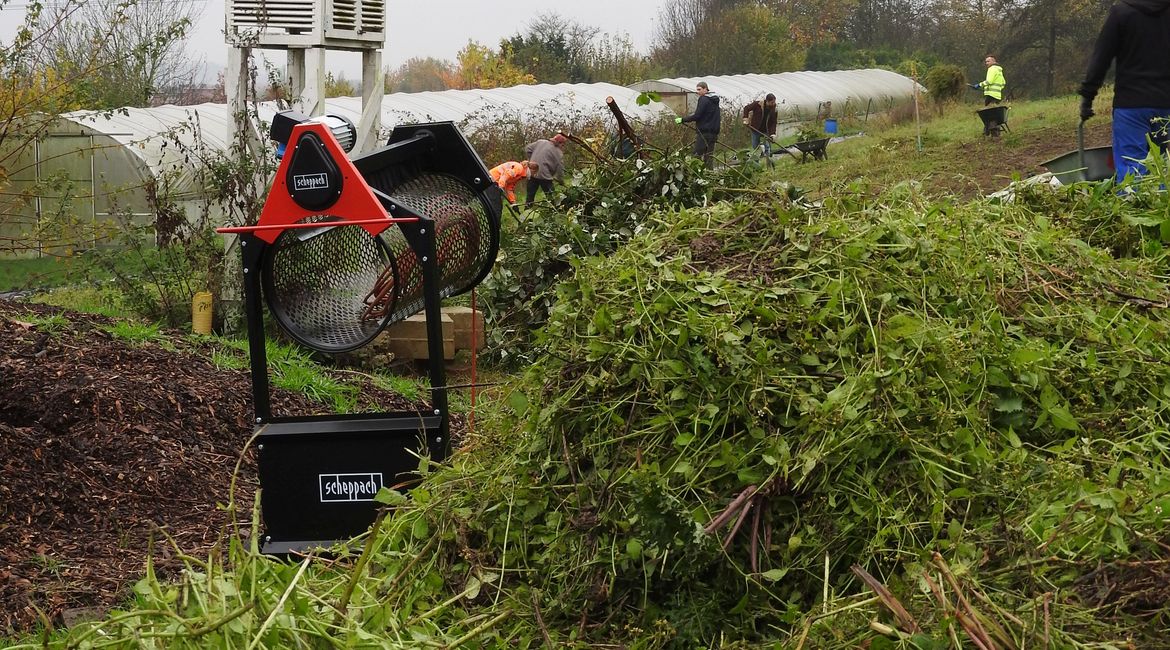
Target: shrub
x: 945, y: 82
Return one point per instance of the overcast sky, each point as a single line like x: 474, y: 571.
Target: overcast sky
x: 440, y: 28
x: 422, y: 28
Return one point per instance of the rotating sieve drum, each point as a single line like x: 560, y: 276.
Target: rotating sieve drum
x: 465, y: 245
x: 317, y: 281
x: 335, y: 288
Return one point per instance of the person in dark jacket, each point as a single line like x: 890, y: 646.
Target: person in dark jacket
x: 706, y: 119
x: 1135, y: 34
x: 760, y: 118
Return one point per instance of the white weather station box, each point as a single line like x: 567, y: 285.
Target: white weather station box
x: 333, y: 24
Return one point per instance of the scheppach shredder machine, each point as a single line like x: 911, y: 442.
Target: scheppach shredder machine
x: 343, y: 248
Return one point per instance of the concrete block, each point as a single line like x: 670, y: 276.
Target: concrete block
x: 417, y: 348
x: 462, y: 316
x: 407, y: 339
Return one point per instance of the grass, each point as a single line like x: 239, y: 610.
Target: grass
x: 34, y: 273
x: 54, y: 323
x: 136, y: 333
x: 408, y: 387
x: 953, y: 156
x: 50, y: 271
x: 103, y: 300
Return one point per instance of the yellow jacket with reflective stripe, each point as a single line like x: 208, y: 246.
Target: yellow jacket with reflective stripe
x: 994, y: 83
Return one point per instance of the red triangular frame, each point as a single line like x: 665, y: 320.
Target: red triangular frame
x: 356, y: 203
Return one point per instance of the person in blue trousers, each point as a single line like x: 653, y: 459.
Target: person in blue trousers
x: 1135, y: 34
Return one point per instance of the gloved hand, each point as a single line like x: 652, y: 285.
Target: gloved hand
x: 1086, y: 108
x: 975, y: 86
x: 678, y: 120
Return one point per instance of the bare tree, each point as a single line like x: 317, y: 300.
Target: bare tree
x: 138, y: 48
x: 676, y: 40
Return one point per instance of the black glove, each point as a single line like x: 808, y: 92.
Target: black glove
x: 975, y: 86
x: 1086, y: 108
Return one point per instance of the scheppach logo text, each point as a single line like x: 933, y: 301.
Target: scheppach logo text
x: 349, y: 487
x: 310, y: 182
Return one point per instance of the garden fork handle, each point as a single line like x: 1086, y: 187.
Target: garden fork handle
x: 1081, y: 146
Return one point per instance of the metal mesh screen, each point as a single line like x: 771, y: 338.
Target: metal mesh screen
x: 317, y: 282
x: 334, y: 289
x: 464, y: 239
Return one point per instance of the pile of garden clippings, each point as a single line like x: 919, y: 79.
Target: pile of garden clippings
x: 734, y: 412
x: 108, y: 449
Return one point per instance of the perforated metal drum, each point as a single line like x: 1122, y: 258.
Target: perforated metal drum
x: 317, y: 281
x: 335, y: 288
x: 464, y: 243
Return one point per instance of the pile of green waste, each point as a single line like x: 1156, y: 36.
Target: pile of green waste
x: 875, y: 422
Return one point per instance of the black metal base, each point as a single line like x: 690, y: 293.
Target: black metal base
x: 319, y: 475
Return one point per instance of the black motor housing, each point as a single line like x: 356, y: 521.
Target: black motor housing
x: 314, y: 181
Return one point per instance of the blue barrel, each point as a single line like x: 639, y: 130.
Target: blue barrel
x: 831, y: 126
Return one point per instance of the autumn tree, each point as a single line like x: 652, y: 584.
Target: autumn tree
x: 725, y: 37
x: 814, y: 23
x: 339, y: 86
x: 419, y: 74
x: 479, y: 66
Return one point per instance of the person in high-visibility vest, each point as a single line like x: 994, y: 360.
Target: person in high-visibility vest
x: 994, y: 84
x: 507, y: 175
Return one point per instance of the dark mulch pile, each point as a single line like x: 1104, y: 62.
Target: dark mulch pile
x: 107, y: 445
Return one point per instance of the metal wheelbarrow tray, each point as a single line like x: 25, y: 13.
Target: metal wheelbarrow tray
x: 1093, y: 164
x: 1068, y: 168
x: 994, y: 119
x: 815, y: 148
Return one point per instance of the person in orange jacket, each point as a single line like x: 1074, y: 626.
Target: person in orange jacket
x: 508, y: 174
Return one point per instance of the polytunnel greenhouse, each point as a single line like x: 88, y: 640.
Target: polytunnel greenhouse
x: 799, y: 95
x: 97, y: 165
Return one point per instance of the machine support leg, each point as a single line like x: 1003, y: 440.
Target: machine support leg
x: 253, y: 250
x: 440, y: 439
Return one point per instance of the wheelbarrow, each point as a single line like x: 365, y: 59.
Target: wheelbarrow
x: 815, y: 148
x: 994, y: 120
x: 1093, y: 164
